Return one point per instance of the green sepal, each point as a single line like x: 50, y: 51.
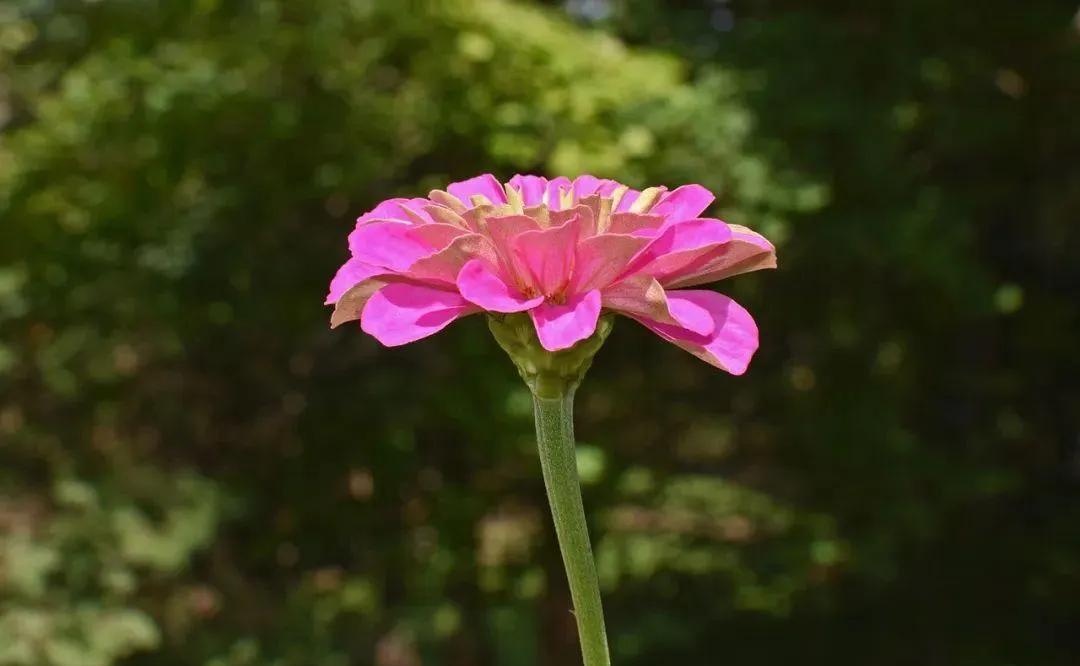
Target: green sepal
x: 548, y: 374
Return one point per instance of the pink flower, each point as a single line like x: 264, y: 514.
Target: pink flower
x: 560, y: 250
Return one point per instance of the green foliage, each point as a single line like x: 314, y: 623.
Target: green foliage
x: 194, y: 470
x: 70, y: 572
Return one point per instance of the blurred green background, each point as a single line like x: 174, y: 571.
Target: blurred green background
x: 195, y: 471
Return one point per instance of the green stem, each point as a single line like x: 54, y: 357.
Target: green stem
x: 555, y: 437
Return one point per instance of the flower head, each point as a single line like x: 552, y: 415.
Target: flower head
x: 562, y: 251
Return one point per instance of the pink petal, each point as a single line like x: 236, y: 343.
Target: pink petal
x: 690, y: 314
x: 561, y: 326
x: 414, y: 208
x: 584, y: 185
x: 600, y: 260
x: 555, y: 187
x: 482, y: 286
x: 437, y: 270
x: 639, y: 224
x: 351, y: 304
x: 683, y: 203
x: 586, y: 218
x: 502, y: 231
x: 532, y: 188
x: 486, y: 186
x: 746, y: 251
x: 627, y: 200
x: 548, y: 255
x: 387, y: 244
x: 734, y: 338
x: 607, y: 188
x: 400, y: 313
x: 507, y: 227
x: 678, y: 246
x: 443, y: 215
x: 395, y: 209
x: 437, y: 236
x: 442, y: 267
x: 642, y: 297
x: 351, y: 272
x: 640, y: 202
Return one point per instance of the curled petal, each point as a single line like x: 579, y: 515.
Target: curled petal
x: 482, y: 286
x: 561, y: 326
x: 734, y: 337
x: 690, y: 314
x: 350, y: 273
x: 349, y: 306
x: 683, y: 203
x: 486, y: 186
x: 678, y: 245
x: 400, y: 313
x: 746, y: 251
x: 642, y: 297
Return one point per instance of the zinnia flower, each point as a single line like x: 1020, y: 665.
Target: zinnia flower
x: 563, y: 251
x: 570, y: 255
